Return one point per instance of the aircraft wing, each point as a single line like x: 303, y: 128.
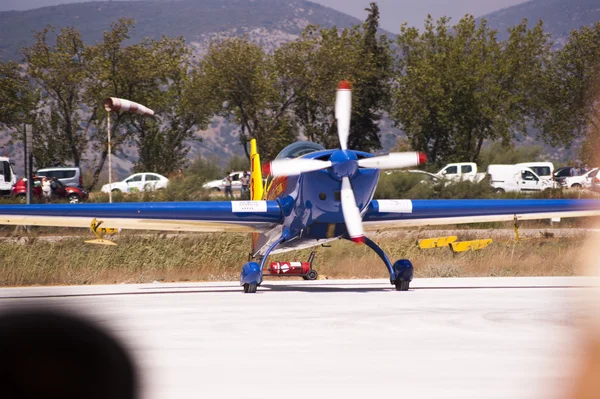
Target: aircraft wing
x: 408, y: 213
x: 224, y: 216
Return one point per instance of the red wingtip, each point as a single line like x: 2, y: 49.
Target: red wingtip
x: 422, y: 158
x: 344, y: 85
x: 266, y: 169
x: 358, y: 240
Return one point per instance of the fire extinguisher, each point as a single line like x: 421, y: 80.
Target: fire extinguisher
x: 298, y: 268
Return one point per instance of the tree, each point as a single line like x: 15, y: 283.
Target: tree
x: 372, y: 87
x: 154, y: 73
x: 237, y: 79
x: 458, y: 86
x: 59, y: 73
x: 17, y: 97
x: 572, y: 87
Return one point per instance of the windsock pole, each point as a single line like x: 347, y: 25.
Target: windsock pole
x: 114, y: 104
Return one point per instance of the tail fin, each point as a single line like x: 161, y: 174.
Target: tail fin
x: 256, y: 186
x: 256, y: 179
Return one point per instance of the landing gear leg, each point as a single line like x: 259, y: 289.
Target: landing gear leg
x: 251, y: 275
x: 401, y: 273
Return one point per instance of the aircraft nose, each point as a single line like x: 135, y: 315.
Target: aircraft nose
x: 344, y: 164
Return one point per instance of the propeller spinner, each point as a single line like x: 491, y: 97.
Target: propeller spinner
x: 343, y: 164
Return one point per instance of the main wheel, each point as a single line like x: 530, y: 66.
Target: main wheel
x: 576, y: 185
x: 74, y: 199
x: 499, y: 191
x: 402, y: 285
x: 250, y: 288
x: 311, y: 275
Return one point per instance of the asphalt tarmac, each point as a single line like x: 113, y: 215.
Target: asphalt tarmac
x: 445, y: 338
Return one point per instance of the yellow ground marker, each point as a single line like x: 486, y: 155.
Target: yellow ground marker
x: 437, y: 242
x: 474, y: 245
x: 101, y: 241
x: 99, y: 232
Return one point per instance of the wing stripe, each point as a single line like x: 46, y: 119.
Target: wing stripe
x: 426, y: 212
x: 223, y: 211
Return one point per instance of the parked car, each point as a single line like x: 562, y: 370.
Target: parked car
x: 68, y: 176
x: 219, y: 185
x: 596, y: 183
x: 426, y: 177
x: 561, y: 173
x: 73, y: 194
x: 137, y: 182
x: 583, y: 181
x: 461, y: 171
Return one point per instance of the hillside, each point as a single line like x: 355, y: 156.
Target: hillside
x: 268, y: 22
x: 559, y: 16
x: 196, y: 20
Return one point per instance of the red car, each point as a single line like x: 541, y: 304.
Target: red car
x: 73, y: 194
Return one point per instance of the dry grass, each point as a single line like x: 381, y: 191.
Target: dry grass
x: 220, y: 257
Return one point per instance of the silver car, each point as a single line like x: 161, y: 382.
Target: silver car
x: 68, y: 176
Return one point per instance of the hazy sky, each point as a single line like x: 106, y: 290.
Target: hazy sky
x: 393, y: 12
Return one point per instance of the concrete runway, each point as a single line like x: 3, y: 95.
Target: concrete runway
x: 446, y: 338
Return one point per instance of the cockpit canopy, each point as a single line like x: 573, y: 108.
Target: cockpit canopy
x: 298, y: 149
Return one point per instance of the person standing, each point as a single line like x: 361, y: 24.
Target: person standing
x: 245, y: 180
x: 47, y: 189
x: 228, y: 192
x: 576, y: 171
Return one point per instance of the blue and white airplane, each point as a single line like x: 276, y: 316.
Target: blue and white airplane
x: 314, y: 196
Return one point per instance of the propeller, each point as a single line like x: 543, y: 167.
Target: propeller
x: 351, y: 212
x: 343, y: 164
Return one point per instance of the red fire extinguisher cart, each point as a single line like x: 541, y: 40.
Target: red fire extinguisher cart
x: 293, y: 269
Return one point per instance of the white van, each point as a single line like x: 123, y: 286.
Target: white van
x: 544, y: 170
x: 8, y: 178
x: 516, y: 178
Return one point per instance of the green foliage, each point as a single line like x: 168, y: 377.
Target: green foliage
x: 571, y: 93
x: 17, y: 96
x: 415, y: 186
x: 275, y: 96
x: 59, y: 73
x: 459, y: 86
x: 236, y: 163
x: 372, y: 87
x: 238, y: 81
x: 153, y: 73
x: 500, y: 153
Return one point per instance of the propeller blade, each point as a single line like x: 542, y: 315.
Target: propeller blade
x: 294, y: 167
x: 351, y: 212
x: 395, y: 160
x: 343, y: 106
